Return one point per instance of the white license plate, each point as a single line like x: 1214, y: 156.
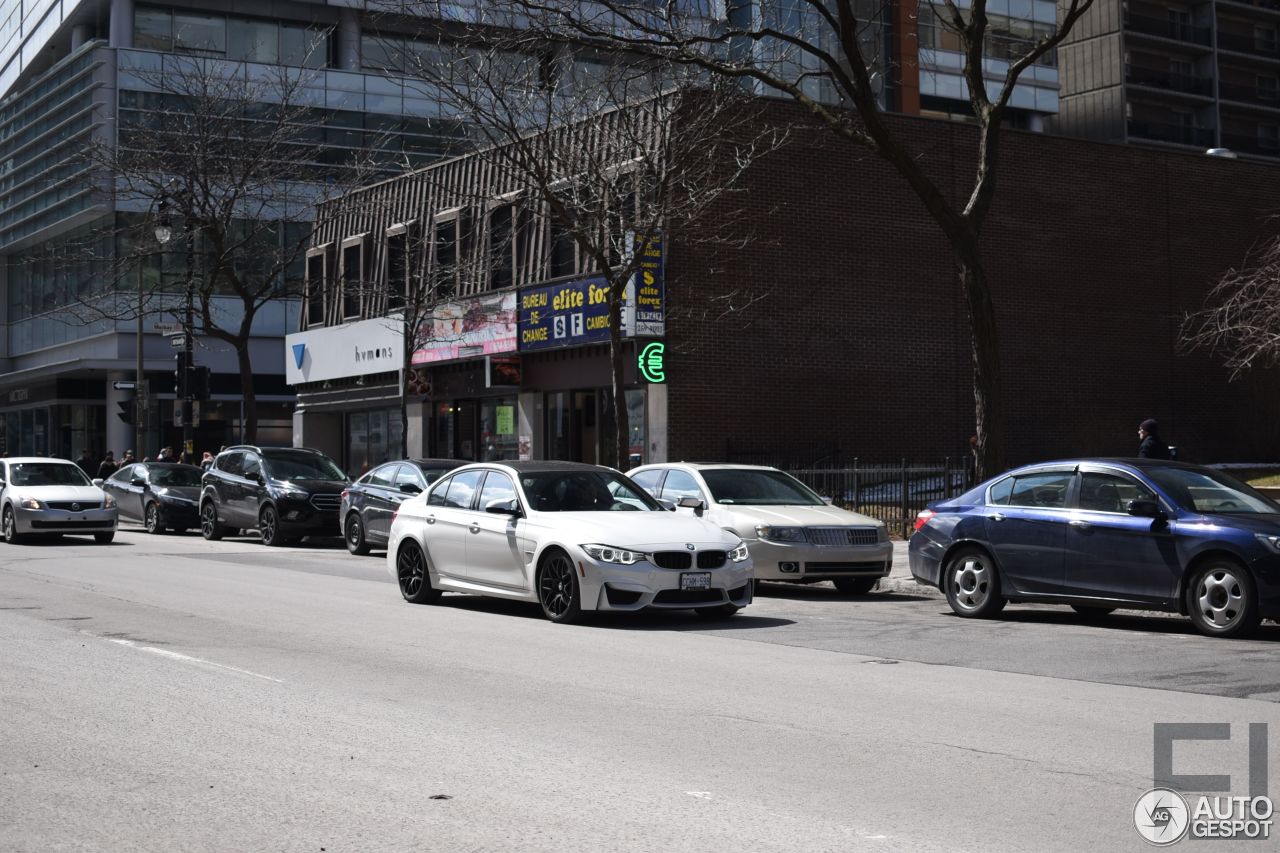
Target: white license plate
x: 695, y: 580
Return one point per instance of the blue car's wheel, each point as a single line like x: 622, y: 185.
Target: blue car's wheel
x: 1222, y: 601
x: 972, y: 584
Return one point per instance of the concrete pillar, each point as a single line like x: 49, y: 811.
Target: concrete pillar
x: 349, y: 40
x: 320, y: 431
x: 79, y: 35
x: 119, y: 433
x: 656, y: 440
x: 530, y: 425
x: 416, y: 429
x: 121, y: 24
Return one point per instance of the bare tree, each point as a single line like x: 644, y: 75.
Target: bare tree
x: 612, y: 156
x: 823, y: 55
x: 1240, y: 320
x: 229, y: 159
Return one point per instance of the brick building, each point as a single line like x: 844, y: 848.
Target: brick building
x: 847, y: 329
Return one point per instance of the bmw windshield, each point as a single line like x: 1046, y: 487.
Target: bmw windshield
x: 585, y: 491
x: 1210, y: 492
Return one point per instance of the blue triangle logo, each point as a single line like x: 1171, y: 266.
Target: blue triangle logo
x: 299, y: 350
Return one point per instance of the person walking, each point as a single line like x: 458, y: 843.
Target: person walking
x: 1152, y: 446
x: 206, y: 462
x: 87, y: 463
x: 108, y: 466
x: 127, y: 459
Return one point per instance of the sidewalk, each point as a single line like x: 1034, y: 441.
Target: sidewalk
x: 900, y: 579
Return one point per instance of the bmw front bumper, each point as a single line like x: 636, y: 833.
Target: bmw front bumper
x: 609, y: 586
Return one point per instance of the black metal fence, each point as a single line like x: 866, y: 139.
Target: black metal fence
x: 893, y: 492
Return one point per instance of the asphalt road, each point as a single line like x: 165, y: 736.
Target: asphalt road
x: 164, y: 693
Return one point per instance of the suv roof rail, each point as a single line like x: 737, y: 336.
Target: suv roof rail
x: 258, y: 449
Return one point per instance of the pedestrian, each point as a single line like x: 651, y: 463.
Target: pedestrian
x: 206, y: 462
x: 108, y: 466
x: 87, y: 463
x: 166, y: 454
x: 127, y: 459
x: 187, y: 458
x: 1152, y: 446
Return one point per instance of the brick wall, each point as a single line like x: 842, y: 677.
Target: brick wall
x: 860, y: 341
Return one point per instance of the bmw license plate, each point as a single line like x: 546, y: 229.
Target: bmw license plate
x: 695, y: 580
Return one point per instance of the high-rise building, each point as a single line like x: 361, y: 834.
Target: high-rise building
x: 1196, y: 75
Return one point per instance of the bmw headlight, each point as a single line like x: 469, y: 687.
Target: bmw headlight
x: 781, y: 534
x: 29, y: 503
x: 611, y: 554
x: 1272, y: 542
x: 739, y: 553
x: 109, y: 502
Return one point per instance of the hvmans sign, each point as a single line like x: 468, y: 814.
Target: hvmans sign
x: 337, y: 352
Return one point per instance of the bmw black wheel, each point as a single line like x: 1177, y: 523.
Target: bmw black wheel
x: 972, y: 584
x: 1222, y: 601
x: 354, y: 534
x: 413, y: 576
x: 151, y: 518
x: 269, y: 527
x: 209, y: 527
x: 558, y: 588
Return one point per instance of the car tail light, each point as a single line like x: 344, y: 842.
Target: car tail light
x: 922, y: 517
x: 393, y: 516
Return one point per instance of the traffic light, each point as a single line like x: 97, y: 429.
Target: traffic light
x: 128, y: 409
x: 200, y: 382
x: 181, y: 374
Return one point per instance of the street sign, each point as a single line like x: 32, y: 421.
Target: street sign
x: 119, y: 385
x: 169, y: 328
x: 179, y: 342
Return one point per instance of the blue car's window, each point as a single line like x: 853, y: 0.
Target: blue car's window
x: 1041, y: 490
x: 1209, y: 491
x: 999, y: 494
x: 1101, y: 492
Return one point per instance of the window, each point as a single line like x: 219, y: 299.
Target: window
x: 1209, y: 491
x: 352, y: 277
x: 252, y: 466
x: 382, y: 477
x: 680, y: 484
x: 153, y: 29
x: 648, y: 480
x: 231, y: 463
x: 306, y: 47
x: 253, y: 41
x: 1041, y: 490
x: 411, y: 475
x: 501, y: 247
x: 1101, y: 492
x: 1264, y: 38
x: 1268, y: 137
x: 436, y: 498
x: 397, y: 269
x: 199, y: 33
x: 498, y: 488
x: 444, y: 266
x: 1267, y: 87
x: 999, y: 493
x: 316, y: 284
x: 462, y: 489
x: 124, y: 475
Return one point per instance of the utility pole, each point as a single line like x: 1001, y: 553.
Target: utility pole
x: 188, y: 346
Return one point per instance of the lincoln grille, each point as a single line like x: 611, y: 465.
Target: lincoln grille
x: 672, y: 559
x: 834, y: 537
x: 877, y: 568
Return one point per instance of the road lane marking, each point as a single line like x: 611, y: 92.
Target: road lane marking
x: 165, y: 653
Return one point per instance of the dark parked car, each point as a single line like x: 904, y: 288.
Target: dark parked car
x: 286, y: 493
x: 369, y: 503
x: 162, y: 495
x: 1099, y: 534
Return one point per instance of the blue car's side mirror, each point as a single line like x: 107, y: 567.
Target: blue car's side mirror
x: 1146, y: 509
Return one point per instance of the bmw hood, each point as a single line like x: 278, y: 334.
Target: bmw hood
x: 642, y: 531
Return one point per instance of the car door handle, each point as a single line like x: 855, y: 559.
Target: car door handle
x: 475, y: 528
x: 431, y: 519
x: 999, y: 516
x: 1079, y: 525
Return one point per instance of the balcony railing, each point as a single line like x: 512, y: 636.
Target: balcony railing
x: 1249, y: 44
x: 1264, y: 95
x: 1169, y: 80
x: 1251, y: 145
x: 1165, y: 28
x: 1273, y: 5
x: 1163, y: 132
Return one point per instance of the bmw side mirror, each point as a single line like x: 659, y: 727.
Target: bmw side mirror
x: 692, y: 503
x: 668, y: 505
x: 411, y: 488
x: 503, y: 507
x: 1146, y: 509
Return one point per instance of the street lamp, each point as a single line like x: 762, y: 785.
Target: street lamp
x: 164, y: 232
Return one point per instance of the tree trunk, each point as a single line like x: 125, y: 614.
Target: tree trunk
x: 249, y: 426
x: 621, y: 424
x: 988, y: 394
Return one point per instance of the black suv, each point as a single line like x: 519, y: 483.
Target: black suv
x: 286, y: 493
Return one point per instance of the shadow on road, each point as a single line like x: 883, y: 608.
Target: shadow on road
x: 643, y: 620
x: 1162, y: 623
x: 822, y: 592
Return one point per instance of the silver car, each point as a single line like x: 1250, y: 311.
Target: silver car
x: 51, y: 497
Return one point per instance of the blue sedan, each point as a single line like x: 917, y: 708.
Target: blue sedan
x: 1100, y: 534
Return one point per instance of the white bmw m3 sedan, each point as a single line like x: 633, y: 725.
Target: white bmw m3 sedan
x: 568, y: 536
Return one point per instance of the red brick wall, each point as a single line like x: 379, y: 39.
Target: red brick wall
x: 1094, y: 252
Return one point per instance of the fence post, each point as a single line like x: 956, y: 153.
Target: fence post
x: 946, y: 477
x: 857, y: 490
x: 904, y: 499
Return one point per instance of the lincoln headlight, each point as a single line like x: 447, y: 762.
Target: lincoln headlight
x: 611, y: 554
x: 772, y: 533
